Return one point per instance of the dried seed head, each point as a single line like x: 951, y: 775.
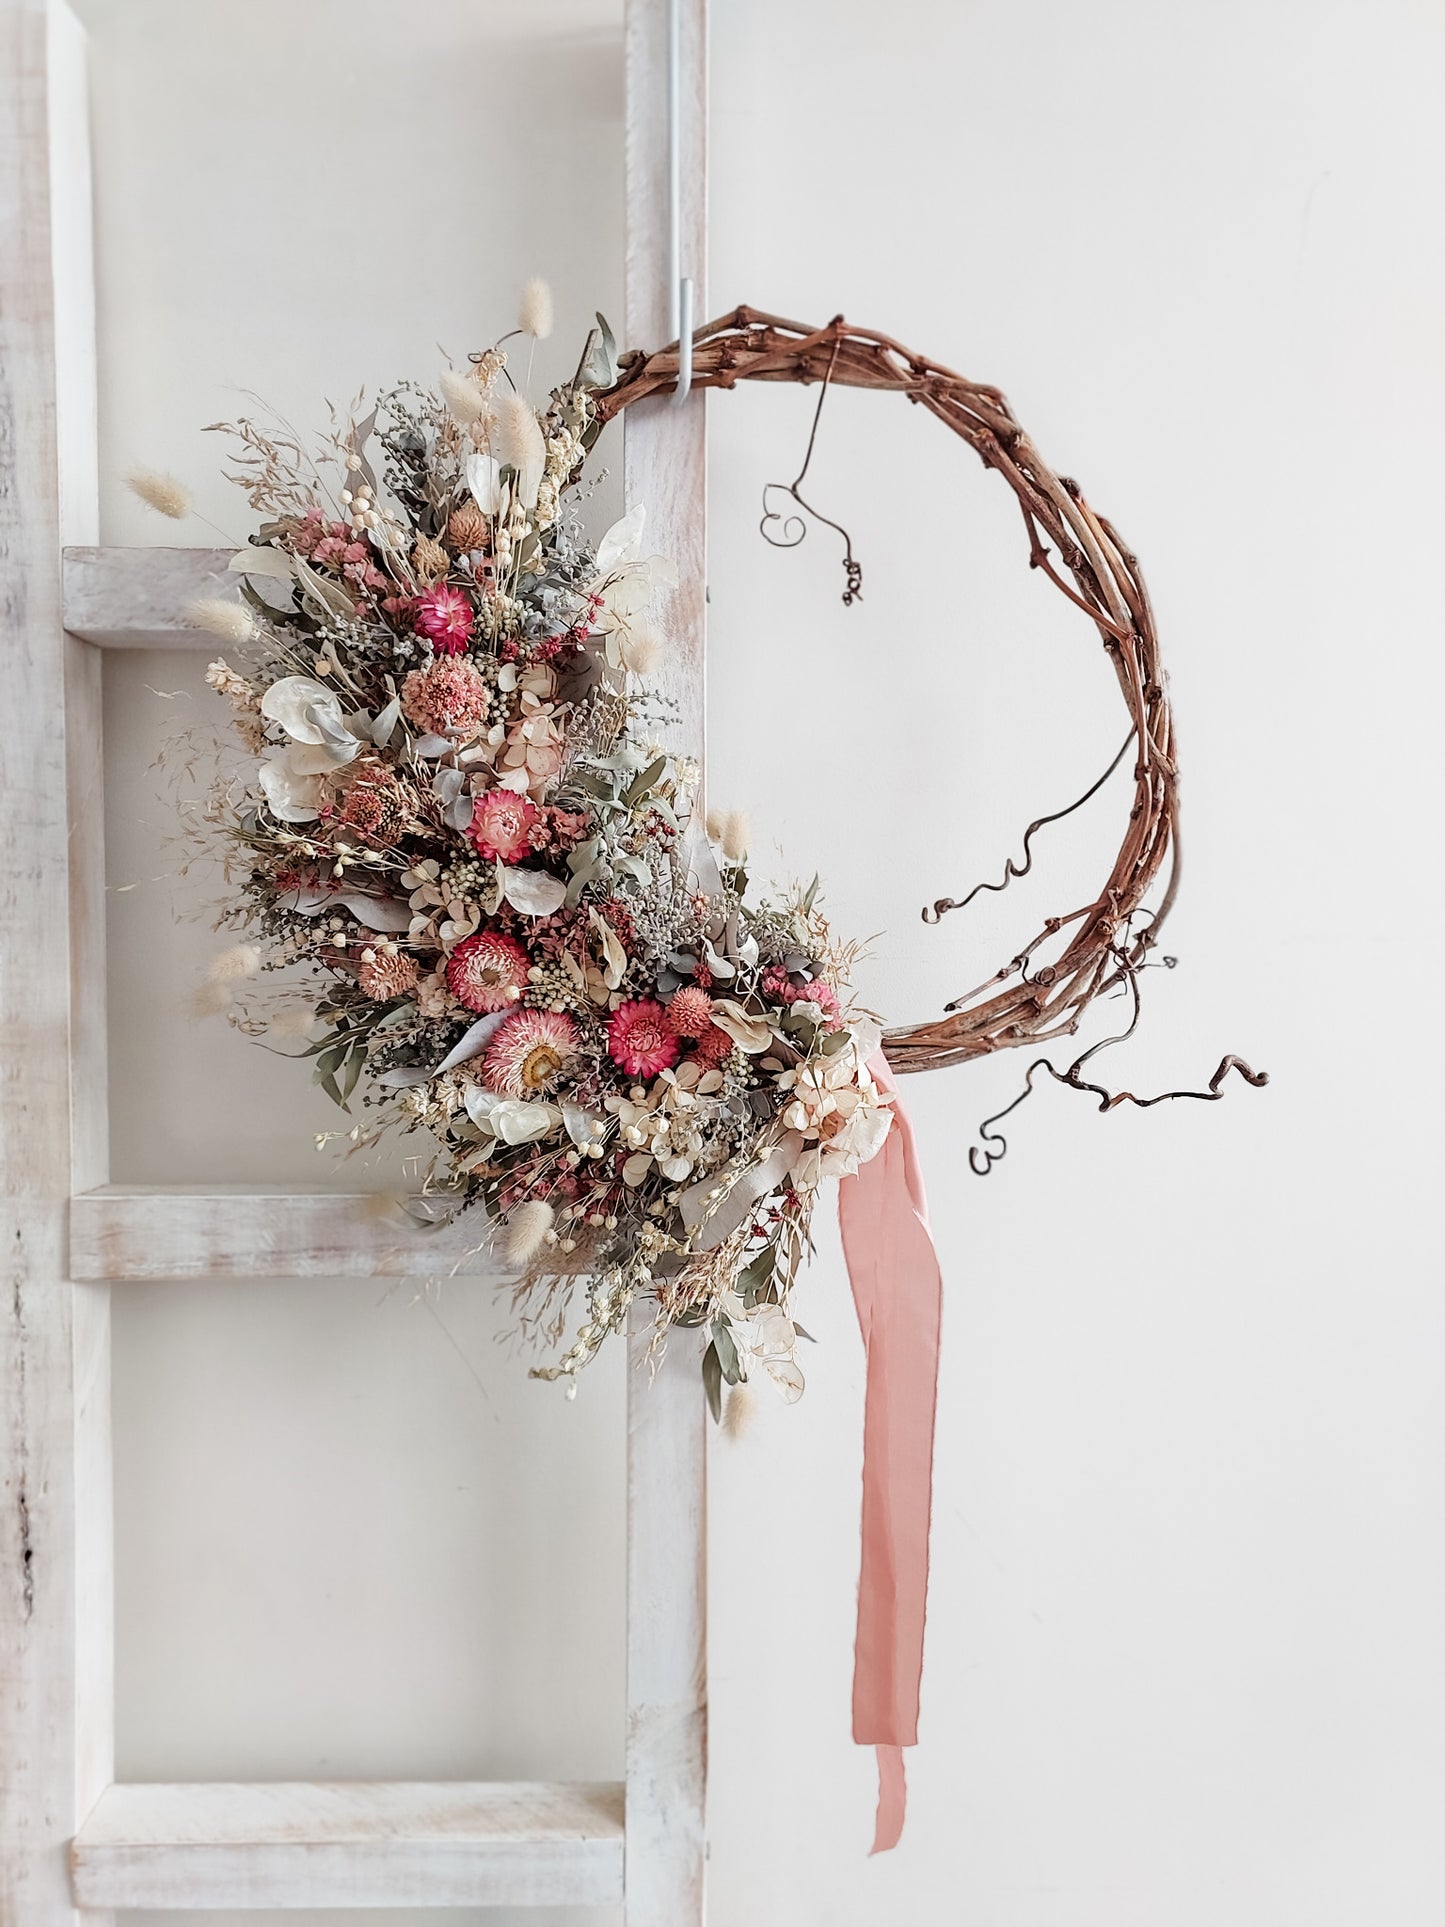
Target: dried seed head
x: 241, y: 960
x: 163, y: 493
x: 527, y: 1230
x: 535, y: 315
x: 467, y: 402
x: 221, y: 617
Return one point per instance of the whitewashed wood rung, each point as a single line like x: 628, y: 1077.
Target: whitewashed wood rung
x: 135, y: 598
x: 132, y: 1232
x: 352, y: 1844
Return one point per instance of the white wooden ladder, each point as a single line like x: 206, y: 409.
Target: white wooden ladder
x: 74, y: 1845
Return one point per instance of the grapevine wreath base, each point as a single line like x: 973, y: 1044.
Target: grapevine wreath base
x: 486, y: 908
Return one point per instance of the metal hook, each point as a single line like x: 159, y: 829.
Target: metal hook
x: 679, y: 286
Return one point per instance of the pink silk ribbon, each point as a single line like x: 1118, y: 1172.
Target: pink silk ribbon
x: 898, y: 1292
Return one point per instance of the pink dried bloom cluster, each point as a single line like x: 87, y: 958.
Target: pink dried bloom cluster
x: 449, y: 692
x: 332, y: 545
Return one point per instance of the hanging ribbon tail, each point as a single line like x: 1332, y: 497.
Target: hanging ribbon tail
x: 898, y: 1293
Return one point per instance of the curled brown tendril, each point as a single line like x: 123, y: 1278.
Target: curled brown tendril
x: 1107, y: 940
x: 1011, y: 870
x: 795, y: 527
x: 982, y: 1157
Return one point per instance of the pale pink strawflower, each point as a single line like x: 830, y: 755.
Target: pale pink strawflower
x: 529, y: 1052
x: 487, y: 971
x: 640, y: 1039
x: 444, y: 616
x: 502, y: 824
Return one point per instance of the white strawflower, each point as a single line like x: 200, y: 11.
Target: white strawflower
x: 221, y: 617
x: 527, y: 1230
x: 163, y: 493
x: 535, y: 314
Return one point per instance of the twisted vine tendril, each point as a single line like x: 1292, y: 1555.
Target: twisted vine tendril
x: 795, y: 527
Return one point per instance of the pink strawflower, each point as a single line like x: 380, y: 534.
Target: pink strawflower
x: 444, y: 616
x: 502, y: 824
x: 640, y: 1039
x: 487, y: 971
x: 527, y: 1053
x: 714, y: 1046
x: 690, y: 1012
x: 450, y: 693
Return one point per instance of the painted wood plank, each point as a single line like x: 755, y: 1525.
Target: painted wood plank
x: 55, y: 1702
x: 352, y: 1844
x: 133, y: 598
x: 664, y: 466
x: 130, y: 1232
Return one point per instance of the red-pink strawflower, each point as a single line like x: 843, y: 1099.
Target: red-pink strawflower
x: 690, y: 1011
x: 502, y: 824
x: 640, y: 1039
x: 487, y: 971
x: 528, y: 1052
x: 444, y: 616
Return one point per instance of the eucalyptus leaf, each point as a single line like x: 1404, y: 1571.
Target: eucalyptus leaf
x: 712, y: 1382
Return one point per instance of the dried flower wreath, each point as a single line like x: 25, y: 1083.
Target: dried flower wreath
x: 531, y: 950
x: 528, y: 948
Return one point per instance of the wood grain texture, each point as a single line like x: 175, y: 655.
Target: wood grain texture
x: 54, y: 1365
x: 136, y: 598
x: 664, y: 466
x: 121, y: 1232
x: 352, y: 1844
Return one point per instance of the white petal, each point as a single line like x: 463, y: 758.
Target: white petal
x: 533, y: 892
x: 286, y: 702
x: 484, y: 481
x: 622, y: 541
x: 473, y: 1042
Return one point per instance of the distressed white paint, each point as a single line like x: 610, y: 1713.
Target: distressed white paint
x: 396, y: 1845
x: 137, y: 1232
x: 665, y: 467
x: 137, y: 598
x: 353, y: 1844
x: 54, y: 1365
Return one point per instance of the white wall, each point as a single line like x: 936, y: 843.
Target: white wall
x: 1185, y: 1663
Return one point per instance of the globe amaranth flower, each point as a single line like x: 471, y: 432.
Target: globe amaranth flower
x: 450, y: 693
x: 529, y: 1051
x: 640, y: 1039
x: 714, y: 1046
x: 487, y: 971
x: 444, y: 616
x: 690, y: 1012
x: 502, y: 824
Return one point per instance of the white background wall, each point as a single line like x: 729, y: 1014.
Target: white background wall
x: 1185, y: 1661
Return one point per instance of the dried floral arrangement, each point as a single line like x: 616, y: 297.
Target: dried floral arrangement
x: 525, y: 945
x: 522, y: 945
